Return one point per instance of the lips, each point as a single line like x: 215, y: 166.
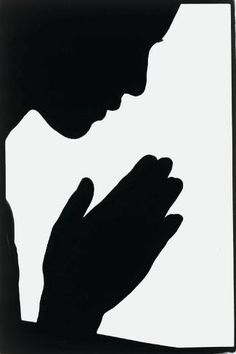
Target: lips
x: 114, y: 104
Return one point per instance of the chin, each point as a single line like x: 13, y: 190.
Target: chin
x: 75, y: 127
x: 74, y: 133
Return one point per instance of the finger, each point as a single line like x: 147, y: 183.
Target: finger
x: 174, y: 187
x: 147, y: 172
x: 149, y: 175
x: 145, y: 166
x: 171, y: 224
x: 78, y: 203
x: 65, y: 230
x: 165, y: 165
x: 149, y: 167
x: 162, y: 199
x: 167, y: 229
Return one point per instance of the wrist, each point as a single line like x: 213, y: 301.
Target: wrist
x: 68, y: 317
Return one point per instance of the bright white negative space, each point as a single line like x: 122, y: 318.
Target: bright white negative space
x: 185, y: 114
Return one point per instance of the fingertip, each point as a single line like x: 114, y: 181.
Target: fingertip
x: 176, y: 183
x: 173, y: 222
x: 86, y: 183
x: 166, y: 165
x: 169, y: 226
x: 166, y: 161
x: 148, y: 159
x: 144, y: 165
x: 85, y: 190
x: 175, y: 218
x: 86, y: 180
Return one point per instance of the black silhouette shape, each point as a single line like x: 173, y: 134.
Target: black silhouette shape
x: 93, y: 262
x: 72, y: 61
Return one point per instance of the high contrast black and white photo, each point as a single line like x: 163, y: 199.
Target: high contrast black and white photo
x: 117, y: 152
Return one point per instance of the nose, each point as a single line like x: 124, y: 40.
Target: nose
x: 137, y: 89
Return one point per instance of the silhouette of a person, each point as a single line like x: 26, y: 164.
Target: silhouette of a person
x: 72, y: 61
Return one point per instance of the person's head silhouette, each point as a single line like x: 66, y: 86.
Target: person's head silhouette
x: 73, y: 60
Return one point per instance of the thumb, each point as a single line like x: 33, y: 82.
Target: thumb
x: 78, y: 203
x: 83, y: 195
x: 66, y: 228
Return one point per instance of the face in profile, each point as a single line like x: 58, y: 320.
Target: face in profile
x: 78, y: 61
x: 86, y: 77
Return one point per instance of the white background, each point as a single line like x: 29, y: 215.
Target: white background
x: 185, y: 114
